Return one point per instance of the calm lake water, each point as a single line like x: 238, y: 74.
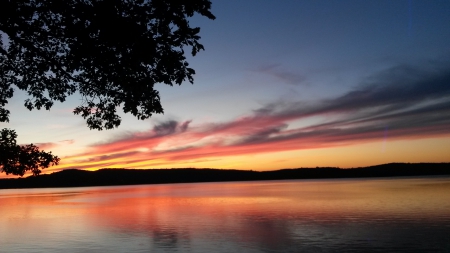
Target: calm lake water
x: 351, y: 215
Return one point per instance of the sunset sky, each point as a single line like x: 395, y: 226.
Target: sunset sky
x: 282, y: 84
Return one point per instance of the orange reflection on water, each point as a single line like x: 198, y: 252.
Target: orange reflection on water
x: 254, y: 213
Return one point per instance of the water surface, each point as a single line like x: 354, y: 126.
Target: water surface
x: 351, y: 215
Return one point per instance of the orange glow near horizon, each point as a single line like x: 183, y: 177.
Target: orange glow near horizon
x: 262, y: 158
x: 263, y: 142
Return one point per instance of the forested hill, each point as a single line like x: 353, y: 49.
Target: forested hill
x: 103, y: 177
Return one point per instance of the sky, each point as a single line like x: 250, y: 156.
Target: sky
x: 281, y: 84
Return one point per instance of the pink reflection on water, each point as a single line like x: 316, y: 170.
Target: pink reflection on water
x: 254, y: 214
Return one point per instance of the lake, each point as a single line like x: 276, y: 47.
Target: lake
x: 335, y: 215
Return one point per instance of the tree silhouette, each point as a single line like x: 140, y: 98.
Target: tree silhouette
x: 110, y: 52
x: 16, y: 159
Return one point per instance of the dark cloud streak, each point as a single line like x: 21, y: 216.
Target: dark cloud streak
x: 402, y: 102
x: 284, y: 75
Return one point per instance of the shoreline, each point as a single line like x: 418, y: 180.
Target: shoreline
x: 117, y: 177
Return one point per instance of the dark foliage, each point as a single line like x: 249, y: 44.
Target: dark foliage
x: 16, y: 159
x: 112, y: 52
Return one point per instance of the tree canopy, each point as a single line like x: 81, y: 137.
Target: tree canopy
x: 16, y: 159
x: 110, y: 52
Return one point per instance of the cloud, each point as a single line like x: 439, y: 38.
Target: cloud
x: 151, y: 138
x: 111, y: 157
x: 284, y: 75
x: 397, y: 87
x: 50, y: 145
x: 165, y: 128
x: 67, y: 142
x: 401, y: 90
x: 402, y: 103
x: 46, y: 145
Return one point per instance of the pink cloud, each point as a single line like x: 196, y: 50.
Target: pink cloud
x: 420, y: 109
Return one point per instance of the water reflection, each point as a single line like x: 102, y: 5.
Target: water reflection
x: 281, y: 216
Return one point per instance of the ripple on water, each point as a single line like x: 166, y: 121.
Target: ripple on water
x: 393, y: 215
